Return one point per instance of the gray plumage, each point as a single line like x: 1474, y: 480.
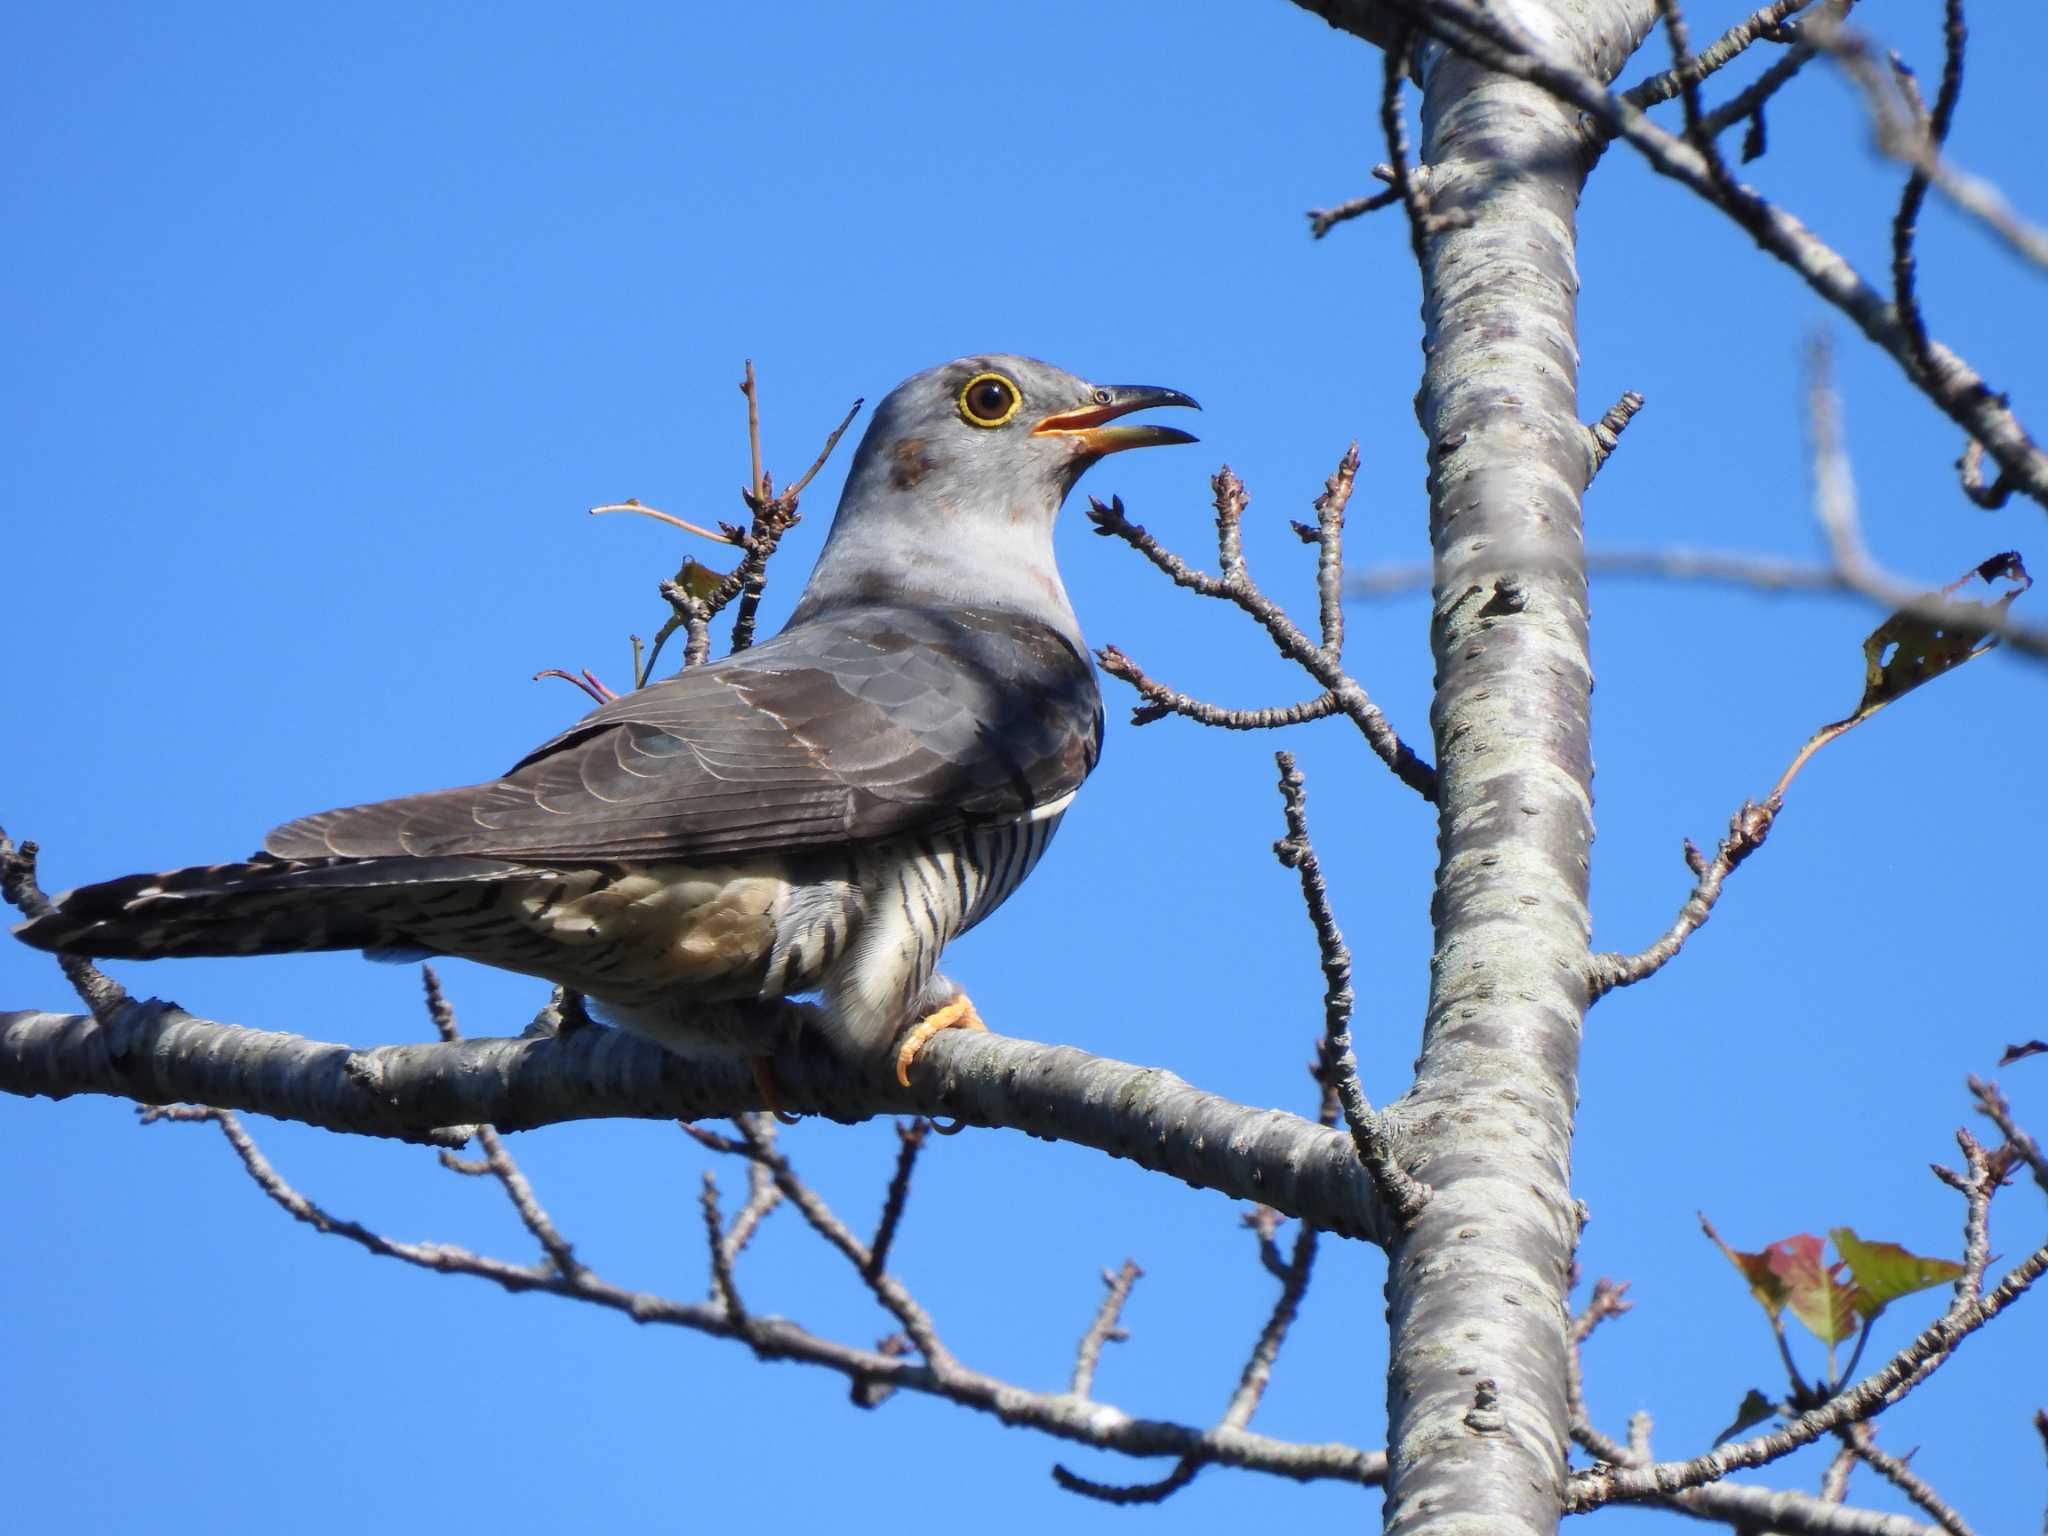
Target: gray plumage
x: 822, y: 813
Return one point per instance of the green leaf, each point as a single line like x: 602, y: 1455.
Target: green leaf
x: 1884, y: 1271
x: 1754, y: 1409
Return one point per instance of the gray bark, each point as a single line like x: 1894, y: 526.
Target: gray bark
x: 1477, y: 1287
x: 156, y: 1053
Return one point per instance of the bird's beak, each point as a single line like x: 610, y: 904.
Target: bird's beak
x: 1084, y: 425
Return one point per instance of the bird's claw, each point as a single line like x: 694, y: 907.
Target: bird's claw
x: 958, y: 1014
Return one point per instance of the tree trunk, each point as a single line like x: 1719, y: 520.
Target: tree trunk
x: 1477, y: 1287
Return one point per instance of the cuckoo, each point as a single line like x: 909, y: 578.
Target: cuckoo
x: 820, y: 814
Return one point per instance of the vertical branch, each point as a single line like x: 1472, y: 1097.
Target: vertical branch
x: 1476, y: 1283
x: 1105, y: 1327
x: 1329, y: 534
x: 1339, y: 1065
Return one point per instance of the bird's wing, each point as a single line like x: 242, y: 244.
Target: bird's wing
x: 850, y: 727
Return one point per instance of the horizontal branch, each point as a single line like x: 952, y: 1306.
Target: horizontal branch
x: 156, y: 1053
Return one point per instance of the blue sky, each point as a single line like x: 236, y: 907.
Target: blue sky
x: 323, y: 330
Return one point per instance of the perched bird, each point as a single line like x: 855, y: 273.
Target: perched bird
x: 819, y: 814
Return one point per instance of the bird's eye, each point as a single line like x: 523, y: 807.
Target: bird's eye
x: 1103, y: 397
x: 988, y: 400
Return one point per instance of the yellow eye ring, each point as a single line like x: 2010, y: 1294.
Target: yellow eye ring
x: 981, y: 406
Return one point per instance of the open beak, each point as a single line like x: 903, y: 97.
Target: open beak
x: 1086, y: 425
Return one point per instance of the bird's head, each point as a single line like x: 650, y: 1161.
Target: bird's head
x: 955, y: 486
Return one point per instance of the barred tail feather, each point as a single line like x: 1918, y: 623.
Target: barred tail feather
x: 266, y: 906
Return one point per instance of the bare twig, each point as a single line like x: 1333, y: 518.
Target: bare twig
x: 1329, y: 540
x: 632, y: 505
x: 496, y: 1160
x: 1235, y: 585
x: 1747, y: 830
x: 1244, y: 1400
x: 1322, y: 220
x: 1606, y: 432
x: 1608, y: 1300
x: 1161, y: 701
x: 1834, y: 1483
x: 1058, y: 1414
x: 21, y: 891
x: 1689, y: 75
x: 1104, y: 1328
x: 762, y: 1198
x: 1983, y: 413
x: 1904, y: 135
x: 1970, y: 466
x: 770, y: 516
x: 1401, y: 1191
x: 1992, y: 1105
x: 887, y: 1289
x: 723, y: 1289
x: 1720, y: 53
x: 1906, y: 222
x: 1747, y: 105
x: 1894, y: 1470
x: 1406, y: 183
x: 587, y: 682
x: 910, y: 1139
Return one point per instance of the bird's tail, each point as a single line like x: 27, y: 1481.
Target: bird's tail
x: 269, y: 906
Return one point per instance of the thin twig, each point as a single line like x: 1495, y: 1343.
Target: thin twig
x: 19, y: 887
x: 1057, y: 1414
x: 1104, y: 1328
x: 1606, y: 432
x: 1901, y: 135
x: 910, y: 1139
x: 1747, y: 829
x: 1894, y: 1470
x: 762, y: 1198
x: 497, y: 1161
x: 1244, y: 1400
x: 1717, y: 55
x: 1161, y: 701
x: 753, y: 394
x: 1990, y: 496
x: 1689, y: 74
x: 1329, y: 539
x: 1407, y: 184
x: 1906, y: 222
x: 587, y: 682
x: 1404, y: 1194
x: 1992, y: 1105
x: 715, y: 535
x: 1236, y: 586
x: 1479, y: 33
x: 723, y: 1289
x: 1834, y: 1483
x: 1322, y: 220
x: 888, y: 1290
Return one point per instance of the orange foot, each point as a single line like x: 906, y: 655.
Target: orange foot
x: 958, y: 1014
x: 771, y: 1095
